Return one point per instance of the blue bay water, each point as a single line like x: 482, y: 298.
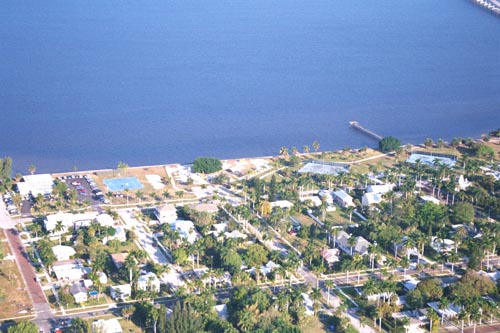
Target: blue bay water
x: 88, y: 84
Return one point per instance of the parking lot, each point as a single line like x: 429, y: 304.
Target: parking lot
x: 86, y: 188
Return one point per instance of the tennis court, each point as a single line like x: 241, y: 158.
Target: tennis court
x: 121, y: 184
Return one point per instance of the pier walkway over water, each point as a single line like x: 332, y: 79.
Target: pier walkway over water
x: 366, y: 131
x: 492, y: 5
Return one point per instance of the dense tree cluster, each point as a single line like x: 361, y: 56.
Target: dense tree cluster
x: 389, y: 143
x: 207, y: 165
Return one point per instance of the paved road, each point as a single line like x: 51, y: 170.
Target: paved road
x: 40, y: 303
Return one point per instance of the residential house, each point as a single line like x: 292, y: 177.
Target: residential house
x: 120, y: 235
x: 120, y: 292
x: 283, y: 204
x: 442, y: 245
x: 119, y: 259
x: 105, y: 220
x: 70, y: 270
x: 79, y: 292
x: 217, y: 229
x: 166, y: 213
x: 359, y: 246
x: 342, y: 199
x: 221, y: 311
x: 235, y: 234
x: 462, y: 184
x: 148, y: 282
x: 205, y: 208
x: 380, y: 189
x: 63, y: 252
x: 371, y: 198
x: 429, y: 198
x: 331, y: 256
x: 106, y: 326
x: 309, y: 304
x: 186, y: 230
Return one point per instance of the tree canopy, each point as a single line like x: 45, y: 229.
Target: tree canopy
x: 389, y: 143
x: 23, y: 327
x: 207, y: 165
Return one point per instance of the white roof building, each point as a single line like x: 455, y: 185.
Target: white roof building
x: 186, y: 230
x: 330, y: 255
x: 63, y: 252
x: 121, y: 291
x: 107, y: 326
x: 308, y: 303
x: 68, y: 220
x: 105, y: 220
x: 70, y: 270
x: 428, y: 198
x: 462, y: 183
x: 371, y: 198
x: 166, y: 213
x: 342, y: 199
x: 284, y: 204
x: 235, y: 234
x: 360, y: 245
x: 442, y: 245
x: 205, y: 208
x: 79, y: 292
x: 380, y: 189
x: 316, y: 201
x: 35, y: 185
x: 120, y: 235
x: 148, y: 282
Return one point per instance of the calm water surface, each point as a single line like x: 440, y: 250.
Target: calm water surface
x: 87, y: 84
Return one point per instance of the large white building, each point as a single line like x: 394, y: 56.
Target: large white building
x: 68, y: 221
x: 35, y: 185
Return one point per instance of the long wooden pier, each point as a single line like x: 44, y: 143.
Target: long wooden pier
x: 491, y: 5
x: 356, y: 125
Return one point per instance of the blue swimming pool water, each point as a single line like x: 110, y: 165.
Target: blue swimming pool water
x: 120, y: 184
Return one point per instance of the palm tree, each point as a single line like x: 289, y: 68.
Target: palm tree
x: 36, y: 228
x: 351, y: 241
x: 433, y: 317
x: 284, y: 152
x: 357, y: 264
x: 127, y: 311
x: 316, y: 296
x: 109, y: 194
x: 305, y: 149
x: 130, y: 264
x: 315, y: 146
x: 139, y: 195
x: 58, y: 228
x: 294, y: 150
x: 443, y: 305
x: 32, y: 169
x: 122, y: 167
x: 180, y: 195
x: 405, y: 263
x: 329, y: 285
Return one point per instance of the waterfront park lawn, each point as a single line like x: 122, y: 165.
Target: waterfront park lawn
x: 14, y: 300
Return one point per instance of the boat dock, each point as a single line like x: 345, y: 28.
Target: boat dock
x: 491, y: 5
x: 356, y: 125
